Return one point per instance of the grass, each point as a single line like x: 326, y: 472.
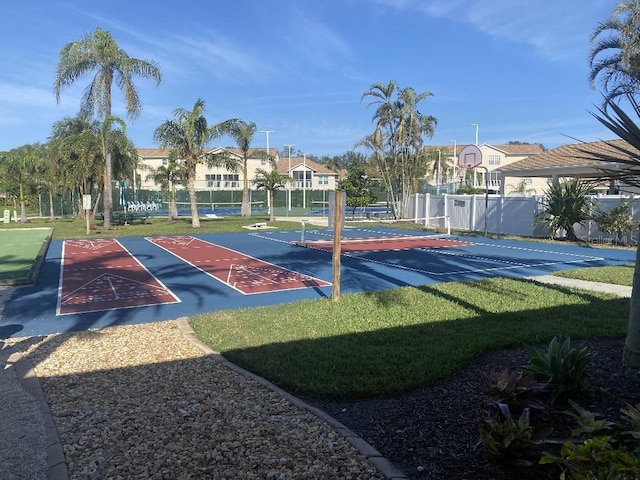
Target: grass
x: 620, y: 275
x: 73, y: 228
x: 371, y: 344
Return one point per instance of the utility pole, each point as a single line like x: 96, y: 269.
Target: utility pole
x: 289, y: 147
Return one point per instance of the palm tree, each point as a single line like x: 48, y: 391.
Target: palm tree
x: 615, y: 52
x: 98, y: 52
x: 242, y: 133
x: 565, y: 203
x: 398, y: 139
x: 186, y: 137
x: 20, y: 168
x: 271, y: 181
x: 521, y: 188
x: 168, y: 177
x: 624, y: 158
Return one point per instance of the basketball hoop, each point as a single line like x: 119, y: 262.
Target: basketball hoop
x: 469, y: 157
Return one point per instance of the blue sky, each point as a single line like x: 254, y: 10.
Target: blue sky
x: 517, y: 68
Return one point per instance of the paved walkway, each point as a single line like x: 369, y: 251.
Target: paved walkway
x: 29, y: 444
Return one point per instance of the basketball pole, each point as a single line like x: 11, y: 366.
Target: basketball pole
x: 337, y: 244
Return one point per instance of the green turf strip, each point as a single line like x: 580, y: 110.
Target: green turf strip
x: 19, y: 250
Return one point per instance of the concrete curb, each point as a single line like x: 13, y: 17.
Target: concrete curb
x: 620, y: 290
x: 29, y: 381
x: 384, y: 466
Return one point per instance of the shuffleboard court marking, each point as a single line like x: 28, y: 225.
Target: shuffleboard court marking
x: 245, y: 274
x: 389, y: 243
x: 501, y: 264
x: 100, y: 275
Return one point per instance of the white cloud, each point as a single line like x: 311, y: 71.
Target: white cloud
x: 558, y: 31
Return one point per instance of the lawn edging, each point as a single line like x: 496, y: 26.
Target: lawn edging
x: 384, y: 466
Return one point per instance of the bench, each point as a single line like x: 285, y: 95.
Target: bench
x: 129, y: 217
x: 121, y: 218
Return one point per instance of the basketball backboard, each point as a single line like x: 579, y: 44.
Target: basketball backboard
x: 470, y: 157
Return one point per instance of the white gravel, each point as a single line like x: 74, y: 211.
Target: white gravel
x: 143, y: 402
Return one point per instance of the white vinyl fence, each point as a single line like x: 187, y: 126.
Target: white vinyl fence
x: 511, y: 215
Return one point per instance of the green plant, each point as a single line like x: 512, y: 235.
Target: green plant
x: 632, y: 416
x: 561, y: 366
x: 565, y: 203
x: 595, y: 459
x: 617, y: 221
x: 588, y: 422
x: 515, y: 389
x: 509, y: 440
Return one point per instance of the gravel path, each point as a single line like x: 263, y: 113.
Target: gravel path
x: 145, y: 402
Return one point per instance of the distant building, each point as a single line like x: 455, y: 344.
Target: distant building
x: 305, y: 173
x: 494, y: 157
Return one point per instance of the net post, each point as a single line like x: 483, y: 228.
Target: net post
x: 337, y: 244
x: 302, y: 241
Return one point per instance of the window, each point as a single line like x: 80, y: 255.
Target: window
x: 165, y: 161
x: 527, y: 181
x: 216, y: 180
x: 494, y: 159
x: 299, y: 180
x: 323, y: 179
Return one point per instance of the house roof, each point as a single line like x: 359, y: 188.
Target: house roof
x: 283, y: 166
x: 164, y: 153
x: 580, y: 160
x: 509, y: 149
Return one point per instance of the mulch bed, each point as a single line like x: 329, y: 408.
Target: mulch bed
x: 432, y: 432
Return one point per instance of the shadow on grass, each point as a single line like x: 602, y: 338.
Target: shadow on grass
x: 396, y: 359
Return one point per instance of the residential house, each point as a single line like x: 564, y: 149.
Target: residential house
x: 306, y: 173
x: 493, y: 158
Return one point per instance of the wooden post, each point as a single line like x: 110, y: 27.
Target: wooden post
x: 337, y: 244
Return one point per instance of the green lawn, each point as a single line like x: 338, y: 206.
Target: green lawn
x: 75, y: 228
x: 619, y: 275
x: 370, y: 344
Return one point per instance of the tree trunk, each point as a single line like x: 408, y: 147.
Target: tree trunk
x: 52, y: 214
x: 631, y: 352
x: 23, y: 206
x: 106, y: 206
x: 172, y: 214
x: 271, y: 196
x: 245, y: 208
x: 191, y: 186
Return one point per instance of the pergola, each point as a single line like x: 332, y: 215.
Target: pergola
x: 581, y: 160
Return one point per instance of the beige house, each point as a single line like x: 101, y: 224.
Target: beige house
x: 306, y: 174
x: 494, y: 157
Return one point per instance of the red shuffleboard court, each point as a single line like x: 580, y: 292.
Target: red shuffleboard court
x: 98, y: 275
x: 378, y: 244
x: 247, y: 275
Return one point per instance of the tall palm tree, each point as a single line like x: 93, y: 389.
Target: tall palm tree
x: 187, y: 137
x: 243, y: 132
x: 615, y: 52
x: 625, y: 160
x: 98, y: 52
x: 401, y: 129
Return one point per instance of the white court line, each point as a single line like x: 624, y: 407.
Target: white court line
x: 509, y: 265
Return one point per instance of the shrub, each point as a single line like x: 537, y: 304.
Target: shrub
x: 562, y: 367
x: 508, y: 440
x: 515, y: 389
x: 616, y: 221
x: 602, y: 449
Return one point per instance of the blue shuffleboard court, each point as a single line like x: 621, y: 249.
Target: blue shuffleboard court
x: 96, y: 283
